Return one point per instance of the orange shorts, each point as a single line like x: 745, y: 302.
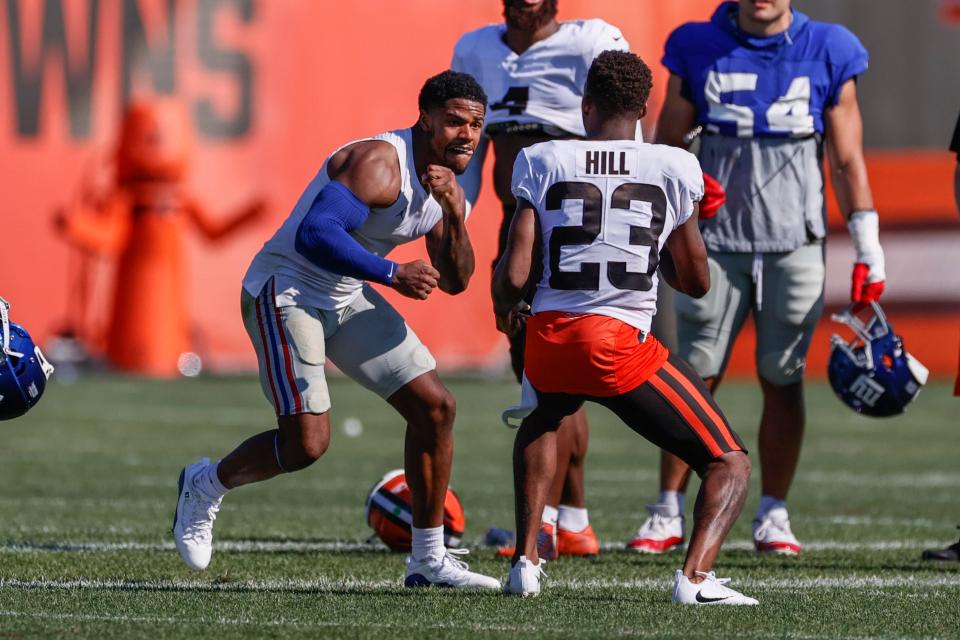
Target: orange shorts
x: 588, y: 355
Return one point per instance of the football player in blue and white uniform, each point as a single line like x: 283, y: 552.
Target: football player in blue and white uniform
x: 306, y: 298
x: 533, y: 69
x: 771, y: 89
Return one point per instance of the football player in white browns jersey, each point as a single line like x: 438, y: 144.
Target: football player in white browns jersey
x: 603, y: 209
x: 305, y: 298
x: 532, y: 68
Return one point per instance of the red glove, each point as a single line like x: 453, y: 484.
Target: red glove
x: 714, y: 196
x: 869, y: 271
x: 862, y: 292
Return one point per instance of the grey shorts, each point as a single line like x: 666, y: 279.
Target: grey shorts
x: 368, y: 340
x: 786, y: 307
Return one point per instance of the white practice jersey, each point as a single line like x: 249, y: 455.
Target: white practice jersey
x: 544, y: 84
x: 299, y: 281
x: 605, y: 209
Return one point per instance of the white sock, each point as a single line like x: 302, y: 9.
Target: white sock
x: 550, y: 515
x: 572, y: 519
x: 209, y: 483
x: 767, y: 503
x: 674, y: 502
x: 428, y: 543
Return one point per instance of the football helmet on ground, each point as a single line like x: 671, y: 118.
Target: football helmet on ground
x: 390, y: 513
x: 23, y: 368
x: 873, y: 374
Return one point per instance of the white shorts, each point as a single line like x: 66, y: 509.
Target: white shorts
x: 368, y: 340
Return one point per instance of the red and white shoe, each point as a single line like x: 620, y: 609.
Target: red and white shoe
x: 577, y: 543
x: 660, y: 533
x: 772, y: 534
x: 546, y: 543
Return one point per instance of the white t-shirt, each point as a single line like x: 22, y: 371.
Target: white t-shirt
x: 299, y: 281
x: 605, y: 209
x: 544, y: 84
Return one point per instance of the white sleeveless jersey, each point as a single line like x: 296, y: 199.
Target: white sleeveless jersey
x: 299, y: 281
x: 544, y: 84
x: 605, y: 209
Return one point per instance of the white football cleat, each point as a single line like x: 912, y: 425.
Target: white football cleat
x: 712, y: 590
x: 524, y: 578
x: 772, y: 534
x: 449, y: 571
x: 193, y: 519
x: 660, y: 533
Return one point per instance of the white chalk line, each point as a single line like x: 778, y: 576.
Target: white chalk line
x: 346, y: 546
x: 326, y: 584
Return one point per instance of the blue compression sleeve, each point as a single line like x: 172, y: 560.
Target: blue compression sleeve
x: 324, y: 237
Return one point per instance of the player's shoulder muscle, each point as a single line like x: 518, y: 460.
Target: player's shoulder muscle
x: 369, y: 168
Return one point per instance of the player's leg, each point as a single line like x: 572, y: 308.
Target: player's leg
x: 534, y: 467
x: 674, y: 410
x: 706, y: 330
x: 575, y: 535
x: 375, y: 347
x: 786, y: 318
x: 567, y: 489
x: 289, y: 344
x: 429, y: 410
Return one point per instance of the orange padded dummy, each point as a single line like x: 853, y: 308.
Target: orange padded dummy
x: 142, y: 221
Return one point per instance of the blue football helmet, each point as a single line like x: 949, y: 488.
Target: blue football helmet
x: 23, y: 368
x: 873, y: 374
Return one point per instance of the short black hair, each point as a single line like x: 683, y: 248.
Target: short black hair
x: 618, y: 82
x: 450, y: 85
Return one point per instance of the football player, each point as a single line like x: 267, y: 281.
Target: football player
x: 771, y: 88
x: 306, y: 298
x: 532, y: 69
x: 603, y: 209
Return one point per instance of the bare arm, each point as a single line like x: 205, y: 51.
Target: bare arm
x: 683, y: 262
x: 448, y: 243
x: 512, y: 275
x: 848, y: 172
x: 677, y: 117
x: 848, y: 169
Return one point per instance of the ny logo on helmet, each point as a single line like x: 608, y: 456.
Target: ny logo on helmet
x: 866, y: 390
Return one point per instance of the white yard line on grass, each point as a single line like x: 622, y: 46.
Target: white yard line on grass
x: 324, y: 584
x: 298, y: 546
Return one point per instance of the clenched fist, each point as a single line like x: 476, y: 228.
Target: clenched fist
x: 415, y: 279
x: 442, y: 185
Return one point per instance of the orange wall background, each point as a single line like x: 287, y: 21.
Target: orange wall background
x: 323, y: 73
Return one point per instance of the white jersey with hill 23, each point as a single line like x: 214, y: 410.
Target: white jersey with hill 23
x: 605, y: 209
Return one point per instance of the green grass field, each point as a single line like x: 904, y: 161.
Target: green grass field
x: 88, y: 484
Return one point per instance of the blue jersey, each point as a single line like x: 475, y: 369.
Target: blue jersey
x: 752, y: 87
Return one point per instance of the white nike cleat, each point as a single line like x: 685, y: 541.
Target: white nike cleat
x: 524, y: 578
x: 193, y: 519
x: 449, y: 571
x: 660, y: 533
x: 772, y: 534
x: 712, y: 590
